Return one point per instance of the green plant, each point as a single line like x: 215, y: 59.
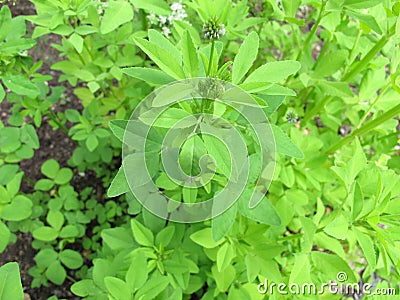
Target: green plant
x: 212, y: 80
x: 10, y: 282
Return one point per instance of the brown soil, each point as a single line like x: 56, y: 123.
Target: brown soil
x: 53, y: 144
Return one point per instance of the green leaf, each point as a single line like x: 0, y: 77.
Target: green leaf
x: 92, y: 142
x: 189, y: 55
x: 219, y: 152
x: 50, y: 168
x: 338, y: 89
x: 172, y: 94
x: 14, y: 185
x: 264, y: 212
x: 242, y: 292
x: 2, y: 93
x: 169, y: 118
x: 117, y: 288
x: 324, y: 241
x: 162, y: 58
x: 156, y: 6
x: 274, y: 72
x: 5, y: 22
x: 349, y: 172
x: 118, y: 238
x: 301, y: 269
x: 63, y: 176
x: 164, y: 182
x: 55, y: 219
x: 225, y: 255
x: 72, y: 115
x: 338, y: 228
x: 116, y: 14
x: 29, y: 136
x: 137, y: 273
x: 221, y: 224
x: 45, y: 234
x: 204, y: 238
x: 367, y: 246
x: 329, y: 265
x: 69, y: 231
x: 154, y: 286
x: 151, y: 76
x: 358, y: 202
x: 142, y: 235
x: 284, y: 144
x: 10, y: 282
x: 360, y: 4
x: 44, y: 184
x: 164, y: 237
x: 118, y: 128
x: 119, y: 185
x: 19, y: 209
x: 21, y: 85
x: 358, y: 161
x: 45, y: 257
x: 331, y: 63
x: 84, y: 288
x: 56, y: 273
x: 225, y: 278
x: 308, y: 229
x: 369, y: 20
x: 290, y: 7
x: 156, y: 37
x: 189, y: 195
x: 77, y: 41
x: 85, y: 29
x: 16, y: 45
x: 245, y: 57
x: 192, y: 150
x: 5, y: 235
x: 71, y: 259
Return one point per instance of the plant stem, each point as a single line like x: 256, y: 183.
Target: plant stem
x: 346, y: 69
x: 312, y: 31
x: 367, y: 58
x: 211, y: 57
x: 366, y: 128
x: 55, y: 119
x: 348, y: 76
x: 71, y: 279
x: 321, y: 54
x: 372, y: 105
x: 316, y: 108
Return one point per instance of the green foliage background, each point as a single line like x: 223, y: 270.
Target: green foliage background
x: 318, y: 67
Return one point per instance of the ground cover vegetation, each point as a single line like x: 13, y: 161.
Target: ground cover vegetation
x: 324, y: 72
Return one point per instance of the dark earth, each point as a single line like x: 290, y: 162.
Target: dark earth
x: 53, y: 144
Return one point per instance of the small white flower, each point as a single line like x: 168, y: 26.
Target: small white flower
x: 213, y: 30
x: 166, y: 31
x: 222, y: 31
x: 176, y: 6
x: 162, y: 19
x: 152, y: 18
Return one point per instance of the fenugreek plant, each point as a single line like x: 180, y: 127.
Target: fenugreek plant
x: 241, y: 143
